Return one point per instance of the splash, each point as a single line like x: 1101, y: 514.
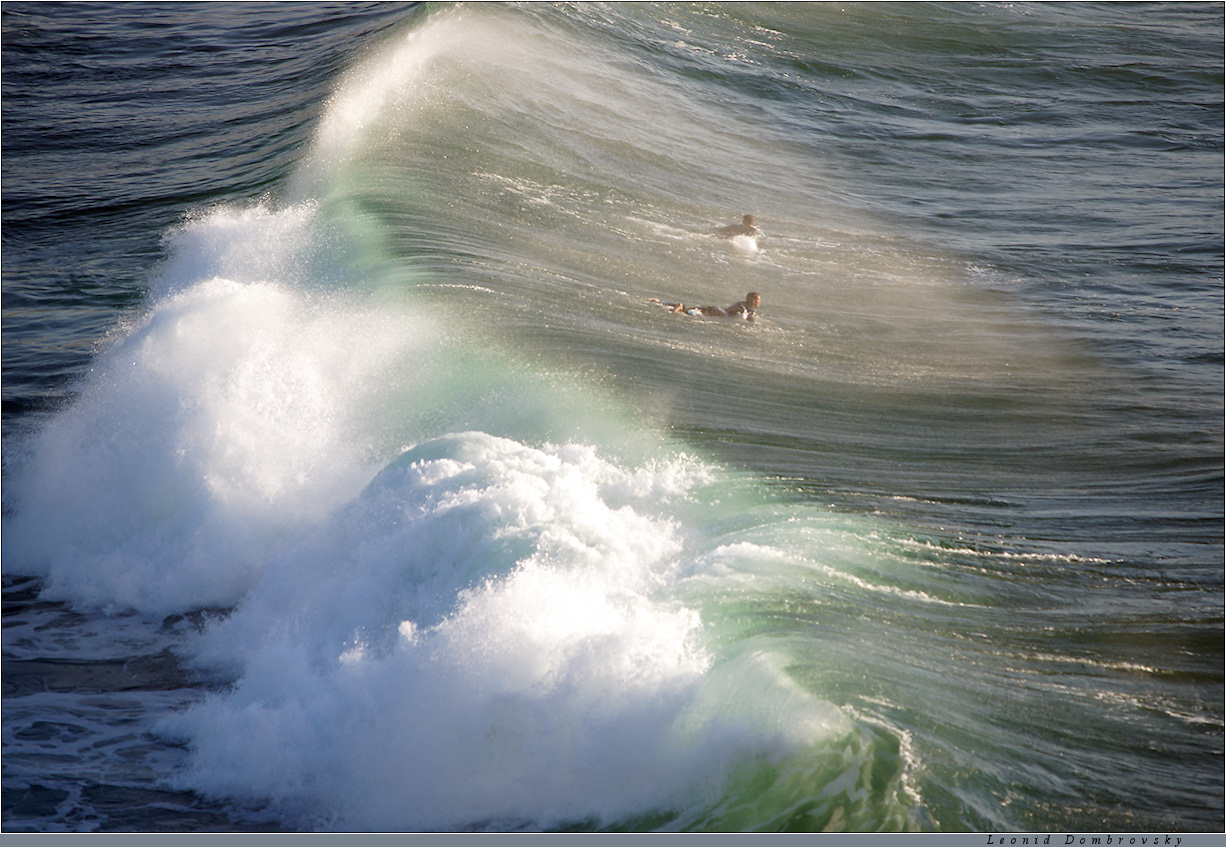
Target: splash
x: 235, y: 409
x: 490, y: 637
x: 439, y: 614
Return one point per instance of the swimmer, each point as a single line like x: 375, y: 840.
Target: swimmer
x: 745, y: 227
x: 746, y: 309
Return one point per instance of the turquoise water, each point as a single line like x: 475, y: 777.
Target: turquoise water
x: 353, y: 482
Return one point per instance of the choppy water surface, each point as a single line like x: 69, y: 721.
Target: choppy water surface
x: 353, y: 482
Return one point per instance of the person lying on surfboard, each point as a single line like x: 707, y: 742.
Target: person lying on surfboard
x: 746, y: 309
x: 745, y: 227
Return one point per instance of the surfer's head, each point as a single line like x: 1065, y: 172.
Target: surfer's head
x: 752, y: 299
x: 748, y: 220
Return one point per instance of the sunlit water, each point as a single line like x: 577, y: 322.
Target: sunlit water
x: 353, y: 482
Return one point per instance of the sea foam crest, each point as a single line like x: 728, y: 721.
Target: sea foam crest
x: 236, y: 408
x: 489, y: 633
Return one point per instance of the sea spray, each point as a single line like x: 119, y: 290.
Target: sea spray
x: 480, y: 633
x: 504, y: 627
x: 230, y: 412
x: 491, y: 635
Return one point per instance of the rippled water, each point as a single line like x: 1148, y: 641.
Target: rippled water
x: 353, y: 482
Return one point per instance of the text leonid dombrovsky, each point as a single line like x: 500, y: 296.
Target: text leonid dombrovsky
x: 1086, y: 840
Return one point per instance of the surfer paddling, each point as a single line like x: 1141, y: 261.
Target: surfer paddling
x: 746, y: 309
x: 745, y: 227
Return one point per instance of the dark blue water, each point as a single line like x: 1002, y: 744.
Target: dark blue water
x: 351, y: 480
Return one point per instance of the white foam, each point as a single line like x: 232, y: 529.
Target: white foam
x: 482, y: 632
x: 488, y: 634
x: 746, y: 245
x: 233, y: 412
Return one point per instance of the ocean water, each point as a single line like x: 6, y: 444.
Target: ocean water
x: 352, y: 481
